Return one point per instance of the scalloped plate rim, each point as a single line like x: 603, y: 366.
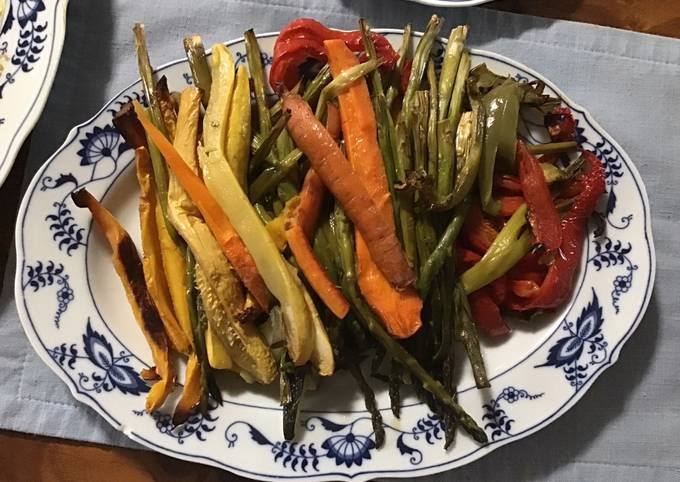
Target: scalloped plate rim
x: 33, y: 115
x: 362, y: 475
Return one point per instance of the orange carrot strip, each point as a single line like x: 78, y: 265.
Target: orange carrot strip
x: 298, y: 234
x: 398, y: 310
x: 311, y: 199
x: 337, y: 174
x: 333, y: 121
x: 225, y: 234
x: 314, y: 272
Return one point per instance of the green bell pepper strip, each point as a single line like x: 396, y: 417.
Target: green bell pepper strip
x: 511, y: 244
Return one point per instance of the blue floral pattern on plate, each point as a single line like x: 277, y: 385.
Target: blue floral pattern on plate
x: 111, y: 372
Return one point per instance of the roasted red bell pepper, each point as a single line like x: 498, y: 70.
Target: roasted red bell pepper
x: 524, y: 288
x: 486, y: 314
x: 466, y: 258
x: 561, y: 125
x: 543, y: 216
x: 509, y: 204
x: 498, y: 289
x: 478, y: 232
x: 558, y: 282
x: 302, y: 39
x: 508, y: 183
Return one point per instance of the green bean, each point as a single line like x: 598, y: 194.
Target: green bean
x: 386, y: 133
x: 394, y: 349
x: 272, y: 176
x: 456, y: 104
x: 311, y: 92
x: 160, y: 174
x: 426, y: 239
x: 418, y: 124
x: 448, y: 74
x: 420, y: 59
x: 443, y: 249
x: 552, y: 147
x: 393, y: 90
x: 466, y: 333
x: 265, y: 144
x: 200, y: 71
x: 447, y: 167
x: 277, y: 206
x: 340, y: 83
x: 369, y: 401
x: 446, y: 136
x: 432, y: 121
x: 265, y: 216
x: 286, y: 191
x: 406, y: 216
x: 469, y: 145
x: 446, y: 279
x: 257, y: 73
x: 395, y: 381
x: 511, y: 244
x: 198, y: 327
x: 284, y: 144
x: 292, y: 387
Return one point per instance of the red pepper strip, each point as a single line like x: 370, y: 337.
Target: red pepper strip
x: 572, y: 189
x: 285, y: 68
x: 560, y: 124
x: 487, y: 315
x: 466, y: 258
x: 556, y: 287
x: 508, y: 183
x: 478, y: 231
x: 509, y: 205
x: 524, y: 288
x: 543, y: 216
x: 303, y: 39
x: 498, y: 289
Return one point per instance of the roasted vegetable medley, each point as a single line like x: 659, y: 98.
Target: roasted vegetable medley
x: 375, y: 210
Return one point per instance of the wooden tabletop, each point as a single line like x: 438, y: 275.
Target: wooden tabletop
x: 32, y: 458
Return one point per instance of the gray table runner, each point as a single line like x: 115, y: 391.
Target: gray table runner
x: 627, y: 425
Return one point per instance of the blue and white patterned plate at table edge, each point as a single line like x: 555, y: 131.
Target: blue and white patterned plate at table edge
x: 451, y: 3
x: 31, y: 40
x: 75, y: 315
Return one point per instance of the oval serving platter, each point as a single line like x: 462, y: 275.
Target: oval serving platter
x: 31, y: 39
x: 74, y: 312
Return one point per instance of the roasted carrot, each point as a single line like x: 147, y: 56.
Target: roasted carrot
x: 128, y: 266
x: 230, y: 242
x: 317, y: 277
x: 311, y: 199
x: 333, y: 121
x: 398, y: 310
x: 337, y: 174
x: 299, y: 231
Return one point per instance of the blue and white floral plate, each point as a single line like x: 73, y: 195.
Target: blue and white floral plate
x: 75, y: 314
x: 31, y: 39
